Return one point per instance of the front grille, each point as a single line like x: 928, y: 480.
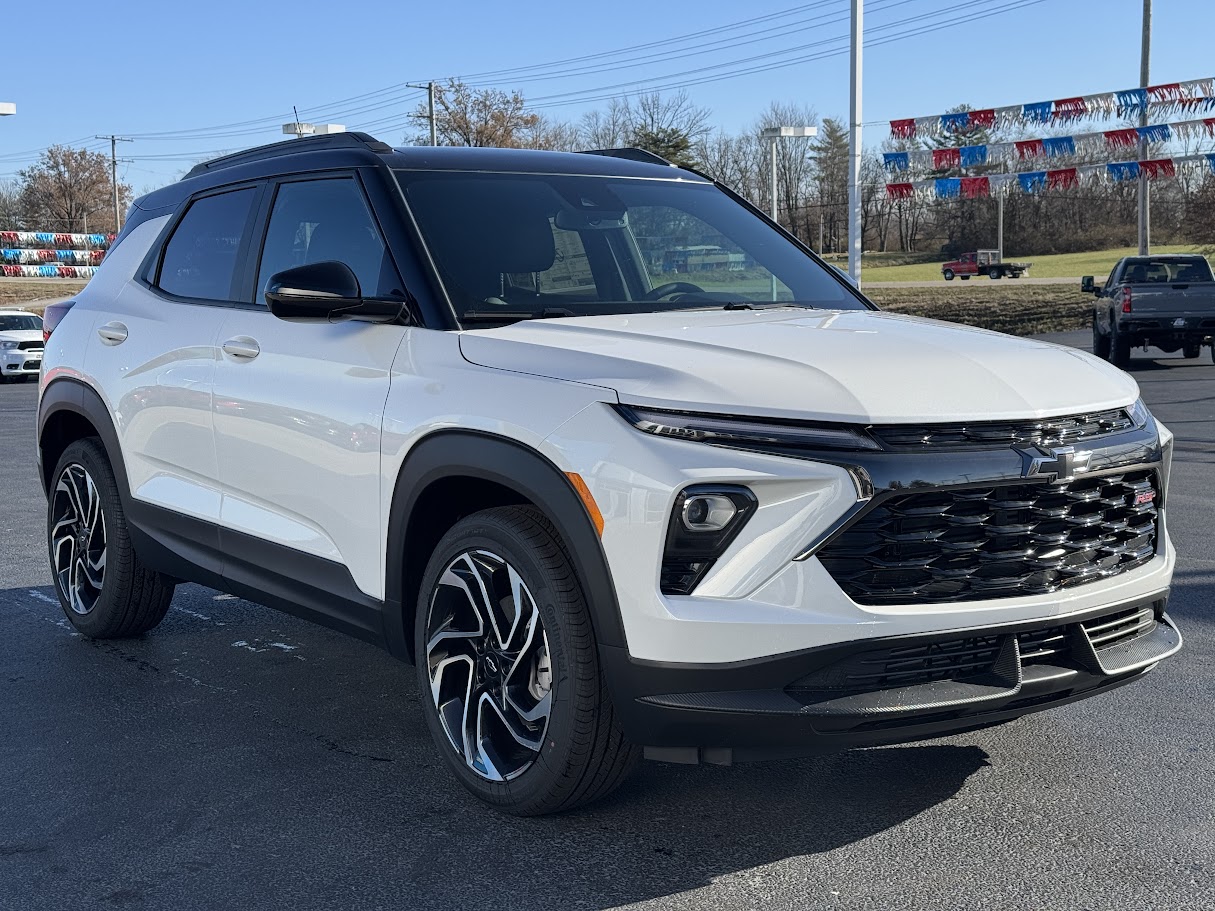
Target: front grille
x: 32, y: 365
x: 991, y: 434
x: 996, y: 541
x: 32, y: 343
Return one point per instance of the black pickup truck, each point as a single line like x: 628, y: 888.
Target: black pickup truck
x: 1167, y: 301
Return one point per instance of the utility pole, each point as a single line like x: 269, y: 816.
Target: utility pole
x: 1145, y: 56
x: 114, y: 140
x: 430, y: 103
x: 854, y: 146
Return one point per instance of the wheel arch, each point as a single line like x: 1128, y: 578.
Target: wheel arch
x: 70, y: 410
x: 453, y: 473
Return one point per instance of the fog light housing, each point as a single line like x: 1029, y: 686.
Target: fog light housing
x: 705, y: 520
x: 707, y: 512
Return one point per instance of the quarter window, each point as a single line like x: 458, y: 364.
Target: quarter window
x: 321, y: 220
x: 200, y: 258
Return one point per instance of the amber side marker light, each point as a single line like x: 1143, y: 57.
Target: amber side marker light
x: 584, y: 493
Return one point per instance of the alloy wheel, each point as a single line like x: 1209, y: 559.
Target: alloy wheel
x: 78, y: 538
x: 489, y: 665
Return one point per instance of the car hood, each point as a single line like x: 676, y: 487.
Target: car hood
x: 21, y: 335
x: 864, y: 366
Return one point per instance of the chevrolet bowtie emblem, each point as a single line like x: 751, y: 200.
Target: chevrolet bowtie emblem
x: 1061, y: 463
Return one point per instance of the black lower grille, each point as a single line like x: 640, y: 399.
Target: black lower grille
x: 1105, y: 632
x: 975, y: 657
x: 996, y: 541
x: 31, y: 365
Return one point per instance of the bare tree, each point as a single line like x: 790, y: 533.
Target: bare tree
x: 606, y: 129
x: 68, y: 187
x: 10, y: 206
x: 795, y: 165
x: 467, y: 116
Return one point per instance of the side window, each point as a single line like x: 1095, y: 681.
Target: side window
x: 200, y: 258
x: 319, y: 220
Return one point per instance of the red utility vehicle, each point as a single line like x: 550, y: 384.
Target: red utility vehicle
x: 984, y: 262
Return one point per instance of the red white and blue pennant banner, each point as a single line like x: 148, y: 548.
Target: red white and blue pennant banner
x: 1195, y: 95
x: 48, y: 239
x: 1051, y: 147
x: 1036, y: 181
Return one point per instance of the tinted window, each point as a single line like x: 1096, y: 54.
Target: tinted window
x: 318, y: 220
x: 200, y: 257
x: 514, y: 244
x: 19, y: 322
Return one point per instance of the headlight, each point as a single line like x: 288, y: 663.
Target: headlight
x: 749, y: 433
x: 7, y: 345
x: 1139, y: 413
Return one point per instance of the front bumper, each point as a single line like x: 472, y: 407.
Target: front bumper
x: 884, y: 690
x: 14, y: 362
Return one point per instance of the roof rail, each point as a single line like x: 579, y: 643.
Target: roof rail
x: 351, y: 140
x: 632, y: 154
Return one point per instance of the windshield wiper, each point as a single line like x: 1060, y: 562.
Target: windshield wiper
x: 503, y: 316
x: 764, y: 305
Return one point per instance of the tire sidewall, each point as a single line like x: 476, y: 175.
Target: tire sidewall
x: 949, y: 273
x: 485, y: 532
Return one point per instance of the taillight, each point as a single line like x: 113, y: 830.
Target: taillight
x: 1126, y: 300
x: 52, y: 315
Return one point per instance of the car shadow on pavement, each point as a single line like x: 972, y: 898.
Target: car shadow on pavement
x: 248, y: 771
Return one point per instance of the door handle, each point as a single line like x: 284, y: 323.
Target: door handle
x: 113, y: 333
x: 242, y: 347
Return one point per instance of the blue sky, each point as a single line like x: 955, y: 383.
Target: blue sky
x: 145, y: 68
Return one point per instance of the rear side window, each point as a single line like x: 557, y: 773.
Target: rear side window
x: 200, y: 258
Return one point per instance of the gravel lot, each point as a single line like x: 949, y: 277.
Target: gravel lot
x: 238, y: 758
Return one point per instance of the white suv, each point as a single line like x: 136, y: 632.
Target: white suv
x: 620, y: 466
x: 20, y: 345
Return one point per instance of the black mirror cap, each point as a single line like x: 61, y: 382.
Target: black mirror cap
x: 317, y: 291
x: 1086, y: 284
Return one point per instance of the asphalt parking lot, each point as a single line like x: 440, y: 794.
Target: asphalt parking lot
x: 238, y: 758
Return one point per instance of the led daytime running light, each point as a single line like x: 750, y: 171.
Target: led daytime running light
x: 705, y: 428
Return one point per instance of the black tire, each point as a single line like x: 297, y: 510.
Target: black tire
x: 993, y: 274
x: 124, y: 598
x: 1101, y: 343
x: 1191, y: 350
x: 1120, y: 348
x: 578, y: 753
x: 948, y: 275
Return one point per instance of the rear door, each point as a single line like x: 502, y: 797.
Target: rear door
x: 155, y: 354
x: 298, y: 406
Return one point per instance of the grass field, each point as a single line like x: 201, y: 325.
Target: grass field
x: 19, y: 293
x: 1063, y: 265
x: 1015, y: 309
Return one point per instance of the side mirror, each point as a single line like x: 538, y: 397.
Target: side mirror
x: 326, y: 292
x: 1087, y: 286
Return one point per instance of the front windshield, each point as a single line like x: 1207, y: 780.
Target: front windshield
x: 518, y: 246
x: 11, y: 322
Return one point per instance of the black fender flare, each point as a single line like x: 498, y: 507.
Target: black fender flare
x: 70, y: 395
x: 505, y: 462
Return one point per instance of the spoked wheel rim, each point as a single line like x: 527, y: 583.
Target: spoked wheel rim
x: 78, y: 539
x: 489, y: 665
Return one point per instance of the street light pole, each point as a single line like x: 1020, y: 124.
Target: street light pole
x: 1145, y: 55
x: 775, y: 135
x: 854, y: 146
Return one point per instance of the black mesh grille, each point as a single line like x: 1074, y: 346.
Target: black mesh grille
x: 996, y: 542
x: 971, y: 657
x: 33, y: 343
x: 989, y: 434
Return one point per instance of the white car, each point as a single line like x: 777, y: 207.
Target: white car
x: 619, y: 465
x: 20, y: 344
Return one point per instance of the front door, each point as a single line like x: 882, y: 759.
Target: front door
x: 298, y: 406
